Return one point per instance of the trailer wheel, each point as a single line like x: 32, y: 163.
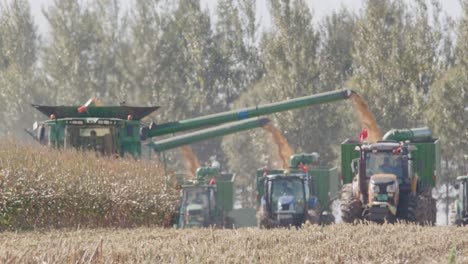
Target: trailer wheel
x: 422, y: 209
x: 403, y: 211
x: 351, y: 208
x: 263, y: 219
x: 313, y: 217
x: 327, y: 219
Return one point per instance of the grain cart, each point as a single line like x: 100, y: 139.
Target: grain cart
x: 207, y: 199
x: 391, y: 179
x: 292, y: 196
x: 118, y: 130
x: 460, y: 211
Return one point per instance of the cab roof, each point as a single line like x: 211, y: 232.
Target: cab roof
x: 285, y: 176
x: 461, y: 178
x: 120, y: 112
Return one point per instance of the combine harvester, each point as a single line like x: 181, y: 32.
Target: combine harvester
x: 303, y: 192
x: 392, y: 178
x: 119, y: 131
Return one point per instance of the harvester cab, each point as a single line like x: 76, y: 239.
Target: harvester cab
x: 293, y: 196
x: 108, y: 130
x: 461, y: 204
x: 207, y: 199
x: 390, y: 179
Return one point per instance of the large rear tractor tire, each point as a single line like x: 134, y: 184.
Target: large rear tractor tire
x: 351, y: 208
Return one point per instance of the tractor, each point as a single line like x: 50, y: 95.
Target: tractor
x: 460, y: 211
x: 292, y: 196
x: 391, y: 179
x: 206, y: 200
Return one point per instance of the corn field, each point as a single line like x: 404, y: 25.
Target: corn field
x: 61, y: 206
x: 46, y: 188
x: 340, y: 243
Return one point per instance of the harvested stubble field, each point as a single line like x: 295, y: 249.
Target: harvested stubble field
x: 339, y: 243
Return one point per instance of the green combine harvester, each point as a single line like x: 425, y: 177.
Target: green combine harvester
x: 460, y: 211
x: 392, y: 178
x: 303, y: 192
x: 120, y: 131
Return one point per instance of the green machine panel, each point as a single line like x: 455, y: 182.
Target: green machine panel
x: 426, y: 161
x: 225, y: 191
x: 348, y: 153
x: 325, y: 184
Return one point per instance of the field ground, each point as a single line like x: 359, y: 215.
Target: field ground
x: 338, y: 243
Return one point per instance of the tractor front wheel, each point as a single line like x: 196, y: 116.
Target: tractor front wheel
x: 263, y: 219
x: 351, y: 207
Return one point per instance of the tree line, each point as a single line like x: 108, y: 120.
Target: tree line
x: 407, y: 59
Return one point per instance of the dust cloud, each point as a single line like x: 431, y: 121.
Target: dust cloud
x: 191, y: 161
x: 284, y: 149
x: 367, y: 118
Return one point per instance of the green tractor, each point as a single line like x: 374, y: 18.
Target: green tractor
x: 206, y: 200
x: 460, y: 211
x: 391, y: 179
x: 298, y: 194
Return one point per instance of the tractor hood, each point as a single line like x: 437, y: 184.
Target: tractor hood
x: 383, y: 178
x: 194, y: 207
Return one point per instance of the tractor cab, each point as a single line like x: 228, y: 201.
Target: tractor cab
x: 384, y: 170
x: 286, y: 198
x: 207, y: 199
x: 198, y: 206
x: 461, y: 205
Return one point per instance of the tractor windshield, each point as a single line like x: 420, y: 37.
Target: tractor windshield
x: 383, y: 162
x: 288, y: 195
x: 99, y: 139
x: 198, y: 203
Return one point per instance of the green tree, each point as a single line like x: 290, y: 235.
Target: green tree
x: 447, y: 110
x: 396, y: 59
x: 448, y: 116
x: 81, y: 58
x: 18, y: 57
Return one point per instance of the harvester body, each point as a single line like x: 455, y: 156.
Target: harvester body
x: 292, y: 196
x: 391, y: 179
x: 207, y: 199
x: 461, y: 204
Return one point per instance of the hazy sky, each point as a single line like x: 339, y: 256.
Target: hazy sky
x: 320, y: 7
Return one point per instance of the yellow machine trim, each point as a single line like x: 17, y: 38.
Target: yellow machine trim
x: 390, y: 207
x: 414, y: 183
